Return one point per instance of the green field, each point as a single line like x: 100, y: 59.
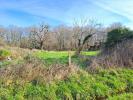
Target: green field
x: 54, y: 57
x: 61, y: 57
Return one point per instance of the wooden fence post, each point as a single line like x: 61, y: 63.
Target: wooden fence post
x: 69, y: 58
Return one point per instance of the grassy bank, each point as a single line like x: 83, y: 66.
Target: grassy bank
x: 32, y: 78
x: 111, y: 84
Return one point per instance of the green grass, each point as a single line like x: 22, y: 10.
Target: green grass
x: 105, y: 84
x: 114, y: 84
x: 53, y: 57
x: 12, y: 62
x: 61, y: 57
x: 110, y: 84
x: 90, y: 53
x: 4, y: 53
x: 124, y: 96
x: 4, y: 63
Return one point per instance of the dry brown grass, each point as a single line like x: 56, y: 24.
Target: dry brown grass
x: 119, y: 56
x: 32, y: 68
x: 30, y: 71
x: 16, y: 52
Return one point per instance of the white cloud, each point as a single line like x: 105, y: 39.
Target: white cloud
x: 120, y: 7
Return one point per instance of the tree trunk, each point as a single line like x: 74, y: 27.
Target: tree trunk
x: 41, y: 45
x: 79, y: 50
x: 69, y: 58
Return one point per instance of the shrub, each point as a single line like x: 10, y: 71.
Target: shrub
x: 118, y: 35
x: 4, y: 53
x: 121, y: 55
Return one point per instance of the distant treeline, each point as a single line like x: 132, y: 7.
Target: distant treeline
x: 62, y: 37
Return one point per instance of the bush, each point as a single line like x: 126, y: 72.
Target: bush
x: 118, y: 35
x: 4, y: 53
x: 121, y: 55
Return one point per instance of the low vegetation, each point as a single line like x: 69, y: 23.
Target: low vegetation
x: 117, y: 36
x: 76, y: 74
x: 105, y: 84
x: 4, y: 54
x: 61, y: 57
x: 35, y: 79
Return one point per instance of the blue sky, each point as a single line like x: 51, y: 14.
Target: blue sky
x: 55, y: 12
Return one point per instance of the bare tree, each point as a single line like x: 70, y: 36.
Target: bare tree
x: 2, y: 35
x: 63, y: 37
x: 2, y: 32
x: 83, y: 31
x: 13, y: 35
x: 83, y: 35
x: 39, y: 34
x: 113, y: 26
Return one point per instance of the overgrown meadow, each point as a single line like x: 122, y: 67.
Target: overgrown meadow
x: 46, y: 75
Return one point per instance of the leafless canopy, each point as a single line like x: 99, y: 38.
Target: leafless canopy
x: 39, y: 34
